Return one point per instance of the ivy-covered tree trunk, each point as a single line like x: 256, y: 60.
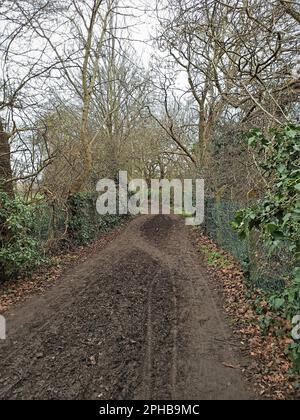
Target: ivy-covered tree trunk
x: 6, y: 187
x: 5, y: 163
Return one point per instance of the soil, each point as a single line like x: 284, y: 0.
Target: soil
x: 138, y: 320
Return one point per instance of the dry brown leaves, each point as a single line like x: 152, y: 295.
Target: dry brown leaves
x: 269, y: 367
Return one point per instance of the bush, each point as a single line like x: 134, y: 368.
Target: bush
x: 19, y: 249
x: 24, y: 228
x: 85, y: 223
x: 277, y: 215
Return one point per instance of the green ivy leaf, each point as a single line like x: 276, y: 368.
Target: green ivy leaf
x: 297, y: 187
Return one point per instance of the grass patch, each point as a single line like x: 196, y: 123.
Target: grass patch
x: 182, y: 212
x: 215, y: 258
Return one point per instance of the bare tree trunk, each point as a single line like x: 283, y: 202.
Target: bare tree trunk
x: 5, y: 164
x: 92, y: 57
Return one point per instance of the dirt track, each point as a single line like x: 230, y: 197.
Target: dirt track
x: 138, y: 321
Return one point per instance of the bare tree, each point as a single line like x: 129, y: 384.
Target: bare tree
x: 292, y: 8
x: 236, y: 55
x: 25, y: 67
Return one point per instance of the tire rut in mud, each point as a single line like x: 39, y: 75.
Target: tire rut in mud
x: 138, y: 364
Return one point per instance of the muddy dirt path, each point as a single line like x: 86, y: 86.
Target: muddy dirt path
x: 138, y: 321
